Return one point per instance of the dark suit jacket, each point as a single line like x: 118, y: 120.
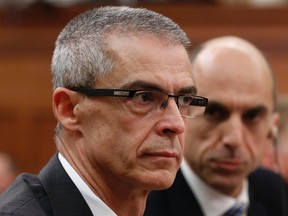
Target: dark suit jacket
x: 52, y: 192
x: 266, y: 193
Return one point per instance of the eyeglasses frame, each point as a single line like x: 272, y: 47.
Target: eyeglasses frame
x: 91, y: 92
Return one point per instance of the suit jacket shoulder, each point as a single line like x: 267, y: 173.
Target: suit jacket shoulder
x: 266, y: 193
x: 22, y: 197
x: 52, y: 192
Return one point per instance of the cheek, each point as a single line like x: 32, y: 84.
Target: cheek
x: 123, y: 134
x: 258, y: 140
x: 108, y: 119
x: 105, y: 126
x: 118, y: 140
x: 197, y: 141
x: 257, y: 148
x: 182, y: 141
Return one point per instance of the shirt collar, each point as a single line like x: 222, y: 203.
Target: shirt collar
x: 97, y: 206
x: 218, y: 202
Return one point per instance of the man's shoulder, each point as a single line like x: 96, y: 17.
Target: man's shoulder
x: 265, y: 177
x: 267, y: 189
x: 267, y: 185
x: 25, y: 191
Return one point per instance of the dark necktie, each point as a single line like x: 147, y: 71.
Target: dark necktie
x: 236, y: 210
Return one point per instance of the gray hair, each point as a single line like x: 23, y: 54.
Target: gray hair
x: 82, y: 55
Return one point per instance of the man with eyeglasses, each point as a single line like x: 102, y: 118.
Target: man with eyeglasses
x: 123, y: 84
x: 219, y: 175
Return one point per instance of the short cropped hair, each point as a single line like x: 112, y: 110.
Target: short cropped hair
x: 82, y: 55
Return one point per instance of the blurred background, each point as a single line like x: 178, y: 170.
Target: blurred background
x: 28, y: 30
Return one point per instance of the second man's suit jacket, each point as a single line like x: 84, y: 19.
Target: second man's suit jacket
x: 52, y: 192
x: 267, y: 196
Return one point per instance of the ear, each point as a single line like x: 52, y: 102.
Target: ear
x: 64, y: 103
x: 275, y: 122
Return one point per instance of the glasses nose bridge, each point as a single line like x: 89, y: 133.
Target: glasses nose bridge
x: 165, y: 102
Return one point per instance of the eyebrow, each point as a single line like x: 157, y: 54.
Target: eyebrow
x: 140, y: 84
x: 259, y: 108
x: 218, y: 105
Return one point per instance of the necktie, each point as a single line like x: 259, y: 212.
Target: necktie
x: 236, y: 210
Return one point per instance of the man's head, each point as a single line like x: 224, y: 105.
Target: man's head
x: 226, y: 145
x: 118, y: 139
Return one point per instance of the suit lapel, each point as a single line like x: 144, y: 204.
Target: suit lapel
x: 178, y: 195
x: 63, y: 195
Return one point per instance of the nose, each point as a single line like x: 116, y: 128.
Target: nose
x: 233, y: 134
x: 171, y: 121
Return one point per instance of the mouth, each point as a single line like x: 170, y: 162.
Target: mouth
x: 163, y: 155
x: 167, y: 154
x: 228, y: 165
x: 164, y: 160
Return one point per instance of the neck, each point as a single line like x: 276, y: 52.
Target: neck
x: 120, y: 197
x: 130, y: 206
x: 124, y: 201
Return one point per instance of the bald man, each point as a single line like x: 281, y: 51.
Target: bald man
x: 223, y: 150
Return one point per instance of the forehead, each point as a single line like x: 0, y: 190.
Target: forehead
x: 148, y: 59
x: 234, y: 78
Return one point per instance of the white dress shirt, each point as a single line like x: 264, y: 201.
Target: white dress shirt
x: 97, y: 206
x: 211, y: 201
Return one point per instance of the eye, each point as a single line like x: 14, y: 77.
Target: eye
x: 254, y: 115
x: 185, y: 100
x: 143, y: 97
x: 216, y: 113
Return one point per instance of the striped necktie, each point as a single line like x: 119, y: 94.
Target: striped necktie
x: 237, y: 210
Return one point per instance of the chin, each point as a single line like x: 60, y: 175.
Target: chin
x: 160, y: 181
x: 226, y: 185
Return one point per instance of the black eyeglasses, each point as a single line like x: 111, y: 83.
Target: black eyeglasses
x: 145, y: 101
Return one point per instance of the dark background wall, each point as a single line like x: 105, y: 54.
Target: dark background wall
x: 26, y: 45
